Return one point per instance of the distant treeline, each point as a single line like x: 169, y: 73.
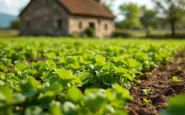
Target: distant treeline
x: 167, y: 14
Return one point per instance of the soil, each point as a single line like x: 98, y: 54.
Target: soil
x: 161, y: 85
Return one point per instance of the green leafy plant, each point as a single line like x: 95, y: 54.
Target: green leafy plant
x: 147, y: 101
x: 86, y: 77
x: 179, y: 68
x: 176, y: 106
x: 175, y: 79
x: 146, y: 91
x: 90, y: 32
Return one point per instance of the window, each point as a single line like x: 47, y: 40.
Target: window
x: 92, y: 25
x: 106, y: 27
x: 80, y: 25
x: 28, y: 24
x: 59, y: 24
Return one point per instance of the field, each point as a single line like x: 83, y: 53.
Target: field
x: 67, y: 76
x: 134, y: 33
x: 8, y: 33
x: 155, y: 34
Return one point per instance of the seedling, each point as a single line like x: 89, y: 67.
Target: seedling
x: 175, y: 79
x: 146, y: 91
x: 136, y: 88
x: 147, y: 101
x: 179, y: 68
x: 179, y: 60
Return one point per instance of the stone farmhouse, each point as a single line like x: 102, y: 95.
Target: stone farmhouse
x: 66, y: 17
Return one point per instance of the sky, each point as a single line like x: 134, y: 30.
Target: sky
x: 13, y: 6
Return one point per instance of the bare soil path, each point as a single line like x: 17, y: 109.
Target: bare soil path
x: 161, y: 85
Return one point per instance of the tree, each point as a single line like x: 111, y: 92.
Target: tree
x: 149, y: 18
x: 15, y: 24
x: 131, y: 13
x: 172, y: 10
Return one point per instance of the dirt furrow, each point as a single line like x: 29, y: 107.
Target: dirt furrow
x: 161, y: 87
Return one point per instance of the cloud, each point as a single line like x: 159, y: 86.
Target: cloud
x: 11, y: 3
x: 12, y: 6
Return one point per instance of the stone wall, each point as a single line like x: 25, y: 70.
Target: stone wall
x: 42, y: 18
x: 100, y: 30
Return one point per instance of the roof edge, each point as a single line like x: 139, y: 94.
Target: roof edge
x: 94, y: 16
x: 109, y: 11
x: 58, y: 2
x: 69, y: 12
x: 63, y: 6
x: 21, y: 13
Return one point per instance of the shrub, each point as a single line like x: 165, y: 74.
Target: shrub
x: 90, y: 32
x: 122, y: 33
x: 149, y: 31
x: 15, y: 24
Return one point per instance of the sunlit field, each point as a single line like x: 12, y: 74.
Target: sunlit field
x: 70, y: 76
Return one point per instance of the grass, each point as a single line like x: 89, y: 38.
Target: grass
x: 134, y: 33
x: 8, y: 33
x: 155, y: 33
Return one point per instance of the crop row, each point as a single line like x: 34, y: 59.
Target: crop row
x: 57, y: 76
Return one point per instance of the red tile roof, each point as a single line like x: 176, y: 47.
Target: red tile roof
x: 83, y: 8
x: 87, y: 8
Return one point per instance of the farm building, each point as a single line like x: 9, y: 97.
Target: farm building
x: 66, y: 17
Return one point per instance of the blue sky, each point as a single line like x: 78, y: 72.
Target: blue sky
x: 14, y: 6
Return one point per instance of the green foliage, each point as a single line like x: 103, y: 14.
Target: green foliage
x: 90, y: 32
x: 3, y: 68
x: 95, y: 100
x: 149, y: 31
x: 75, y: 94
x: 176, y: 106
x: 65, y: 74
x: 33, y: 110
x: 122, y: 33
x: 51, y: 64
x: 132, y: 16
x: 179, y: 68
x: 146, y: 91
x: 29, y: 87
x: 149, y: 18
x: 147, y: 101
x: 175, y: 79
x: 20, y: 67
x: 69, y: 77
x: 15, y: 24
x: 100, y: 59
x: 173, y: 11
